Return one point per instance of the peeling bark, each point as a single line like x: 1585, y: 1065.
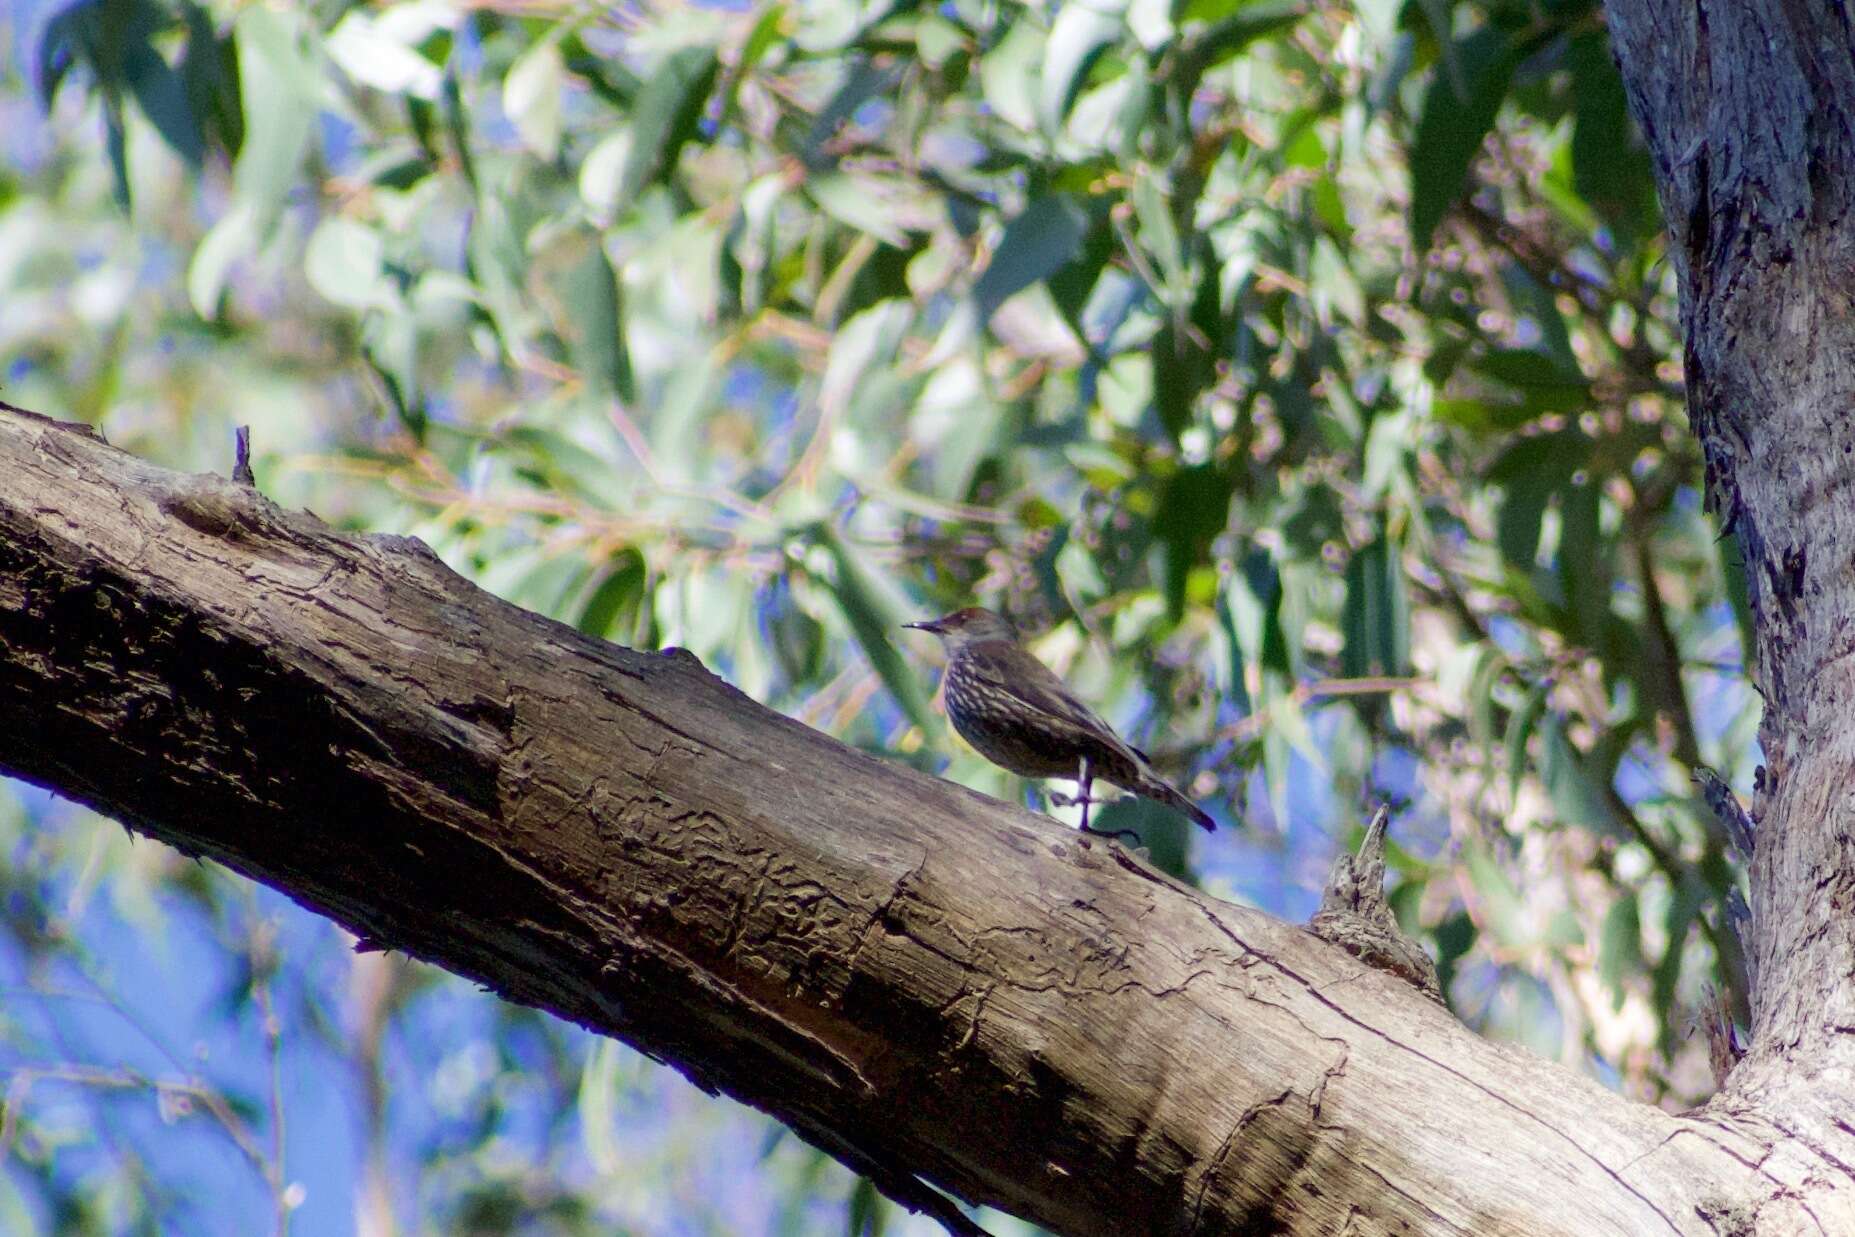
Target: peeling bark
x: 931, y: 984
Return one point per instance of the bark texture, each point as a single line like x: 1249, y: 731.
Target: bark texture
x: 930, y: 983
x: 1749, y: 110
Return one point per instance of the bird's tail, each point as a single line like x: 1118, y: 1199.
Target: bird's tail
x: 1151, y: 785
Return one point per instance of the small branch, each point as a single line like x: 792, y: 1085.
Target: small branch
x: 1354, y: 915
x: 241, y: 456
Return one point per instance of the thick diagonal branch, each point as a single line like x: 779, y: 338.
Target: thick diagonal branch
x: 930, y: 983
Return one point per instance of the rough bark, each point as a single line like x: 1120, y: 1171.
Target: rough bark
x: 929, y: 983
x: 1749, y: 111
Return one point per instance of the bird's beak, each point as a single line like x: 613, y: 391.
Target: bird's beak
x: 932, y: 625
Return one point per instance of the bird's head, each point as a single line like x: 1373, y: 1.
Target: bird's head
x: 972, y: 625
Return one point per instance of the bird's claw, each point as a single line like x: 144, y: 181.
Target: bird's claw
x: 1060, y: 799
x: 1117, y: 834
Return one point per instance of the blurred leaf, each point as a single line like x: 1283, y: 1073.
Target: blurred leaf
x: 665, y: 117
x: 1083, y: 29
x: 1531, y: 471
x: 1682, y: 912
x: 617, y: 600
x: 857, y: 201
x: 590, y: 289
x: 1620, y: 948
x: 162, y: 96
x: 1451, y: 127
x: 343, y: 262
x: 380, y: 54
x: 866, y: 80
x: 1504, y: 910
x: 1542, y: 382
x: 1193, y: 510
x: 233, y: 237
x: 279, y: 88
x: 867, y: 1211
x: 1579, y: 795
x: 1009, y: 73
x: 1583, y: 569
x: 1377, y: 613
x: 598, y: 1083
x: 873, y: 620
x: 1231, y: 26
x: 531, y: 98
x: 1610, y: 166
x: 1519, y: 729
x: 1040, y: 241
x: 1165, y: 834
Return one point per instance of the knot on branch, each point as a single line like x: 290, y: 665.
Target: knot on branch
x: 1354, y: 915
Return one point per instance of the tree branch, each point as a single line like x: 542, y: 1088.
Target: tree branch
x: 920, y: 979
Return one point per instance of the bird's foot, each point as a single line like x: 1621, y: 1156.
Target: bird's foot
x: 1060, y: 799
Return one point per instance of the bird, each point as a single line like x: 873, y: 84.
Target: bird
x: 1017, y: 714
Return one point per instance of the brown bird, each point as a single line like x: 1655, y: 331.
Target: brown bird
x: 1018, y: 715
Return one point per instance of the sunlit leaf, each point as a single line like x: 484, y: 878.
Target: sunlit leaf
x: 1083, y: 29
x: 531, y: 97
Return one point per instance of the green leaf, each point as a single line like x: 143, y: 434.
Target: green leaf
x: 1680, y: 915
x: 668, y: 111
x: 1451, y: 127
x: 1255, y: 600
x: 1040, y: 241
x: 1490, y: 665
x: 233, y: 237
x: 1619, y: 951
x: 872, y: 618
x: 343, y: 262
x: 866, y: 80
x: 1519, y: 728
x: 382, y: 54
x: 866, y: 1212
x: 1502, y: 905
x: 1610, y: 167
x: 209, y: 71
x: 531, y: 94
x: 1009, y: 75
x: 597, y: 1107
x: 862, y: 346
x: 162, y: 96
x: 613, y: 608
x: 1194, y: 509
x: 1166, y: 835
x: 860, y: 201
x: 1578, y: 795
x: 280, y: 90
x: 1225, y: 36
x: 1083, y: 30
x: 1376, y: 619
x: 1582, y: 565
x: 590, y: 290
x: 1531, y: 471
x: 1546, y: 384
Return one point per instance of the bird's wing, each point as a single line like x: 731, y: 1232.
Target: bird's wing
x: 1034, y: 683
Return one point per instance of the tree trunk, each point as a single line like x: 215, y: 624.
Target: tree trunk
x: 1749, y: 110
x: 929, y: 983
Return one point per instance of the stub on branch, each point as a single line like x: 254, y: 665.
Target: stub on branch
x: 1354, y: 915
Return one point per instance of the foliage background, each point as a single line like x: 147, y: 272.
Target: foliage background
x: 1302, y: 377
